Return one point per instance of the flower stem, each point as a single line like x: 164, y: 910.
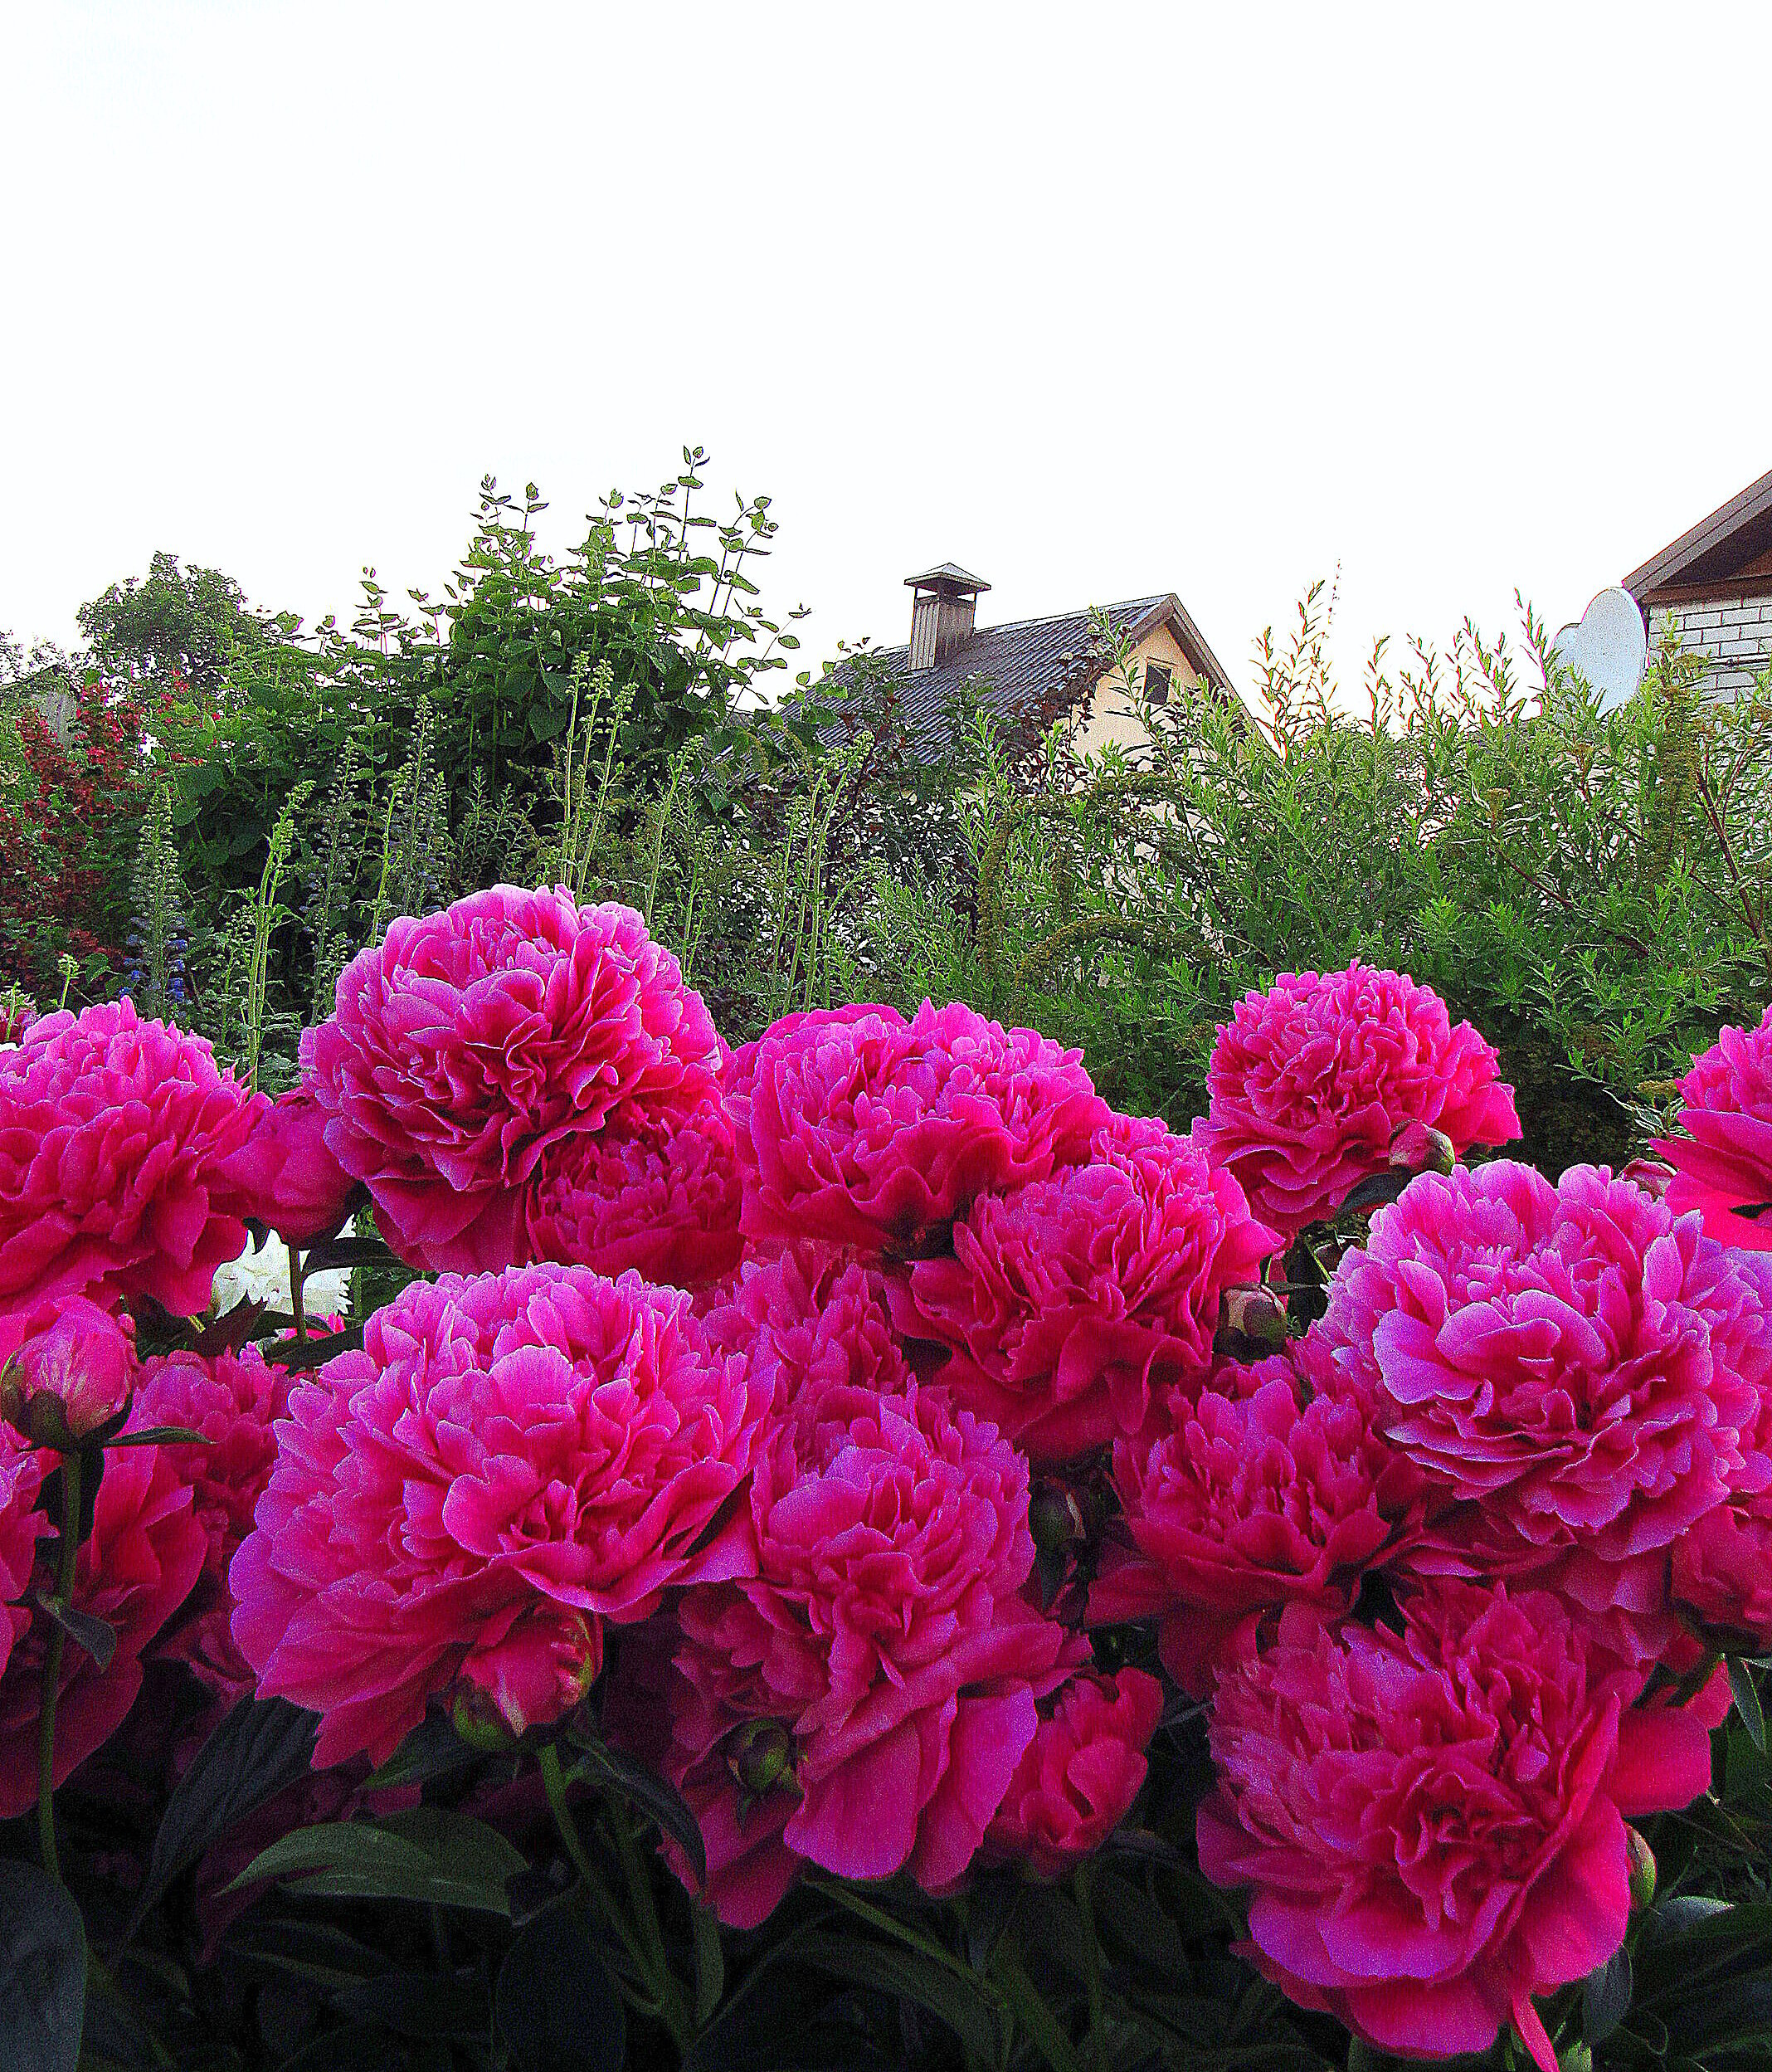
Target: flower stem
x: 297, y: 1309
x: 673, y: 2009
x: 69, y: 1548
x: 1086, y: 1907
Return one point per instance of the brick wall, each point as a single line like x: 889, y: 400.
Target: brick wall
x: 1734, y: 633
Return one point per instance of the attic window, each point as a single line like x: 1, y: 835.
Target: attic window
x: 1157, y: 683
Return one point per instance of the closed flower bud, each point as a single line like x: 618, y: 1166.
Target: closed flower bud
x: 70, y: 1382
x: 478, y: 1722
x: 1256, y: 1316
x: 1418, y: 1148
x: 760, y: 1755
x: 1641, y: 1859
x: 1056, y: 1519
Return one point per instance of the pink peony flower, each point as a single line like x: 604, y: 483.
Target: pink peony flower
x: 1433, y: 1822
x: 1721, y: 1579
x: 1235, y: 1503
x: 663, y: 1199
x: 1572, y: 1369
x: 863, y: 1701
x: 72, y: 1373
x: 1724, y: 1162
x: 1065, y: 1302
x: 231, y: 1399
x: 114, y: 1136
x: 858, y: 1128
x: 140, y: 1563
x: 810, y: 1322
x: 1311, y: 1083
x: 1078, y: 1775
x: 507, y: 1461
x: 464, y: 1045
x: 286, y: 1174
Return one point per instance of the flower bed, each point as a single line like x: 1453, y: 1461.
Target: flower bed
x: 990, y: 1508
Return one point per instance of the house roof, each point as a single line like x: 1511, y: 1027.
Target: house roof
x: 1027, y: 662
x: 1716, y: 550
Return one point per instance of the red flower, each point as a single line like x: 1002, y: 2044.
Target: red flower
x: 1239, y: 1501
x: 115, y: 1138
x: 662, y: 1198
x: 1724, y: 1161
x: 464, y: 1045
x: 1078, y: 1777
x: 1066, y: 1302
x: 863, y: 1701
x: 857, y: 1127
x: 1433, y: 1822
x: 507, y: 1461
x: 1576, y: 1373
x: 140, y: 1563
x: 1312, y: 1082
x: 285, y: 1174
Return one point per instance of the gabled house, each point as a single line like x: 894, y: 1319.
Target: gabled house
x: 1031, y: 672
x: 1715, y: 582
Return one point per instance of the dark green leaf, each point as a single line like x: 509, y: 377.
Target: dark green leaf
x: 656, y: 1798
x: 556, y: 2005
x: 442, y: 1859
x: 710, y: 1963
x: 1747, y: 1702
x: 262, y: 1746
x: 432, y: 1749
x: 1382, y: 1187
x: 906, y: 1974
x: 94, y: 1635
x: 42, y: 1971
x: 362, y: 2047
x: 1605, y: 1998
x: 418, y: 2004
x: 1031, y: 2012
x: 160, y: 1435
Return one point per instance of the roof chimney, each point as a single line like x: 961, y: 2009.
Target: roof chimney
x: 943, y: 603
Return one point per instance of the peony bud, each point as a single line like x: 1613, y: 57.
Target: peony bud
x: 1417, y: 1148
x: 475, y: 1714
x: 1256, y: 1316
x: 1641, y: 1861
x: 760, y: 1754
x: 71, y: 1378
x: 1055, y: 1518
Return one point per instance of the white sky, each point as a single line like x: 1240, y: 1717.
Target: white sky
x: 1095, y: 300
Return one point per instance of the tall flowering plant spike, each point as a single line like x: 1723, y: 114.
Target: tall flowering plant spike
x: 1066, y: 1302
x: 116, y: 1140
x: 1314, y: 1084
x: 464, y: 1045
x: 507, y: 1462
x: 1723, y: 1163
x: 858, y: 1128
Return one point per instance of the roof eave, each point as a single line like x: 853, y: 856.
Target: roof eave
x: 1661, y: 570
